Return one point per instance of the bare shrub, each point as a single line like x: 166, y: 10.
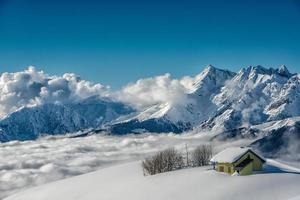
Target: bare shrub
x: 163, y: 161
x: 201, y: 155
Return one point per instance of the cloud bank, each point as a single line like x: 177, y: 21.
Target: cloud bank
x: 31, y: 87
x: 155, y: 90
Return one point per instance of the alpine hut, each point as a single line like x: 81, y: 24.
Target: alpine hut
x: 238, y: 160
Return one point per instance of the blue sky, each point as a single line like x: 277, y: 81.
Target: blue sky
x: 115, y: 42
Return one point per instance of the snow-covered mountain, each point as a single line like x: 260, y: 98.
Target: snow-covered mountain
x: 31, y: 122
x: 217, y: 100
x: 223, y: 100
x: 183, y: 116
x: 256, y: 95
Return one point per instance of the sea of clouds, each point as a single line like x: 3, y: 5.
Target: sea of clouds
x: 31, y: 163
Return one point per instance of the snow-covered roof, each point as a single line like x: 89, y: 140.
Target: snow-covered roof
x: 229, y: 155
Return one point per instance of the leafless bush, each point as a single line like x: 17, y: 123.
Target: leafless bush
x: 201, y: 155
x: 163, y: 161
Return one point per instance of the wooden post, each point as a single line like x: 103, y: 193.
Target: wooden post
x: 187, y: 155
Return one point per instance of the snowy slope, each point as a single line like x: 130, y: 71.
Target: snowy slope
x: 272, y: 139
x: 30, y: 163
x: 282, y: 139
x: 126, y: 181
x: 51, y: 119
x: 286, y: 104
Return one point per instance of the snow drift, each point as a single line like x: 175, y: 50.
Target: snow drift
x: 127, y: 181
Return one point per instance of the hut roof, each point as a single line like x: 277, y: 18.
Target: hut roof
x: 232, y: 154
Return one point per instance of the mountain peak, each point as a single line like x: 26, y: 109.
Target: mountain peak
x: 212, y: 78
x: 261, y: 70
x: 283, y: 70
x: 253, y: 71
x: 209, y: 69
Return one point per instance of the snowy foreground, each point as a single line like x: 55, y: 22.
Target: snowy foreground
x: 24, y: 165
x: 126, y: 181
x: 32, y: 163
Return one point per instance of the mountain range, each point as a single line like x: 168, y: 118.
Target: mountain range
x: 223, y: 100
x: 218, y: 100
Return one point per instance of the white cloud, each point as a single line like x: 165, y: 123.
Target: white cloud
x: 154, y: 90
x: 31, y: 87
x: 188, y: 82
